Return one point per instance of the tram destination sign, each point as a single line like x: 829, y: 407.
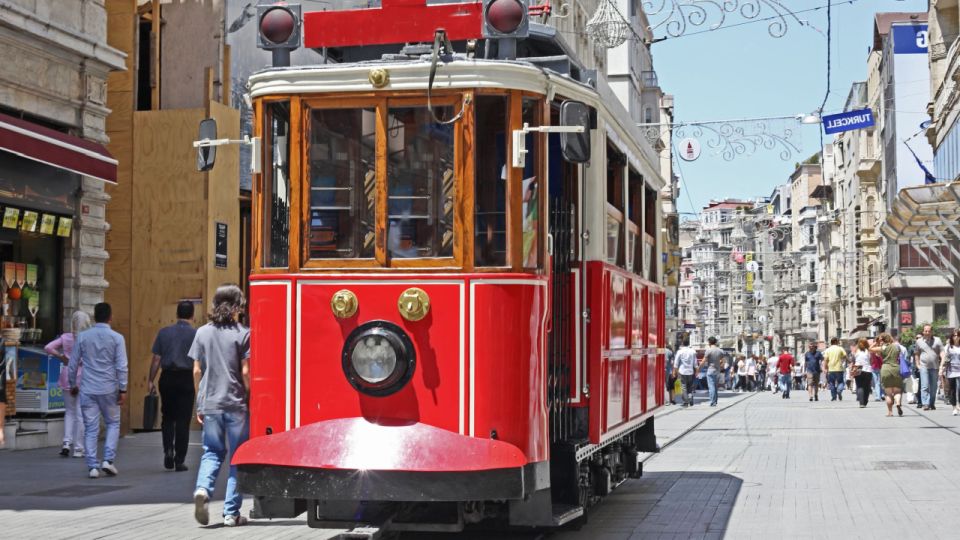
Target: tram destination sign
x: 848, y: 121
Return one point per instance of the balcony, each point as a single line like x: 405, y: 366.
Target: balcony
x: 648, y: 79
x: 945, y: 93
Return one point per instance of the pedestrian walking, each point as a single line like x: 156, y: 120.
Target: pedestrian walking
x: 950, y: 370
x: 835, y: 359
x: 102, y: 389
x: 785, y: 364
x: 741, y: 370
x: 670, y: 378
x: 798, y: 376
x: 813, y: 366
x: 61, y: 348
x: 929, y: 352
x: 876, y: 362
x: 890, y: 372
x: 773, y: 373
x: 751, y: 372
x: 862, y: 372
x: 221, y: 359
x: 685, y: 367
x: 170, y: 354
x: 712, y: 363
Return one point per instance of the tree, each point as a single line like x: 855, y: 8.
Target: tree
x: 940, y: 328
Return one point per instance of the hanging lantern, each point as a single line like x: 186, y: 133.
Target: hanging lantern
x: 607, y: 27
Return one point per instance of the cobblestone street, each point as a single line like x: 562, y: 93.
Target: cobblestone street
x: 757, y: 466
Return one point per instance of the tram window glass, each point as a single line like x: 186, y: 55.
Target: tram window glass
x: 276, y: 187
x: 421, y: 183
x: 532, y: 114
x: 490, y: 187
x: 343, y: 177
x: 615, y: 206
x: 650, y: 255
x: 635, y: 220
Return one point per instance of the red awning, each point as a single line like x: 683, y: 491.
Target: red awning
x: 57, y: 149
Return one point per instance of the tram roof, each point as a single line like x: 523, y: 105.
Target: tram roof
x: 466, y: 73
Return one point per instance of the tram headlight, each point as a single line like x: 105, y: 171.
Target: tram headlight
x: 378, y: 358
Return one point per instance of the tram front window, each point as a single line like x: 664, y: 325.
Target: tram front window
x: 420, y: 183
x: 343, y: 177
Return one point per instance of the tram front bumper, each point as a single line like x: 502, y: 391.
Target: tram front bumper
x: 352, y: 459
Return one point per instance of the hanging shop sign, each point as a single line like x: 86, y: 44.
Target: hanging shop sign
x: 220, y: 257
x: 848, y: 121
x: 689, y: 149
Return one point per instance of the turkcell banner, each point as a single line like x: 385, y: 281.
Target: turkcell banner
x: 838, y: 123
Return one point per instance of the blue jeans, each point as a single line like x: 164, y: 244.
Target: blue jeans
x: 877, y: 386
x: 92, y: 407
x: 928, y: 386
x: 786, y: 381
x: 835, y: 382
x: 220, y: 431
x: 712, y: 387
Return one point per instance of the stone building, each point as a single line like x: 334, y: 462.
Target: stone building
x: 54, y: 78
x: 53, y: 171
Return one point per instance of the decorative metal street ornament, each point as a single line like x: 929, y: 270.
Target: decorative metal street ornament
x: 607, y: 27
x: 732, y: 138
x: 689, y: 149
x: 676, y: 17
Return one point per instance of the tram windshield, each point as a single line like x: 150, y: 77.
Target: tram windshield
x: 384, y: 182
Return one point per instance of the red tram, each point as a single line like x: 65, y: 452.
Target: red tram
x: 456, y: 314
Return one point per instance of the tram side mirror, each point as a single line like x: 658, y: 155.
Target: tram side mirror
x: 576, y: 146
x: 207, y: 155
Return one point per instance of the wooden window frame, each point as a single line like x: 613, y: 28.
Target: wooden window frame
x: 261, y: 128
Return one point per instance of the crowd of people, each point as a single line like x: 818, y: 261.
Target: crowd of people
x: 883, y: 368
x: 203, y: 372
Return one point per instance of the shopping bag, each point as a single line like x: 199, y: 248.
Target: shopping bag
x: 677, y: 387
x: 151, y: 406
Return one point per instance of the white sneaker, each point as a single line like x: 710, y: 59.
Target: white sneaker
x: 94, y: 473
x: 78, y: 452
x: 201, y: 509
x: 108, y: 468
x: 234, y: 521
x: 956, y: 412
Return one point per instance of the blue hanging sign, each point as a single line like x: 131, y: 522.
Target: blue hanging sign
x: 848, y: 121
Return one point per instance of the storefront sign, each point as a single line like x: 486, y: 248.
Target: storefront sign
x: 220, y: 256
x: 47, y: 223
x: 906, y: 318
x: 847, y: 121
x: 29, y: 223
x: 906, y: 304
x: 64, y: 226
x: 11, y: 216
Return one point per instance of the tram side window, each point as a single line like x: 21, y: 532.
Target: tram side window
x: 532, y: 114
x: 343, y: 178
x: 421, y: 183
x: 635, y: 188
x: 490, y: 186
x: 615, y: 206
x: 276, y: 188
x: 650, y: 254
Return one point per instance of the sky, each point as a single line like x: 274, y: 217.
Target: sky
x: 743, y: 72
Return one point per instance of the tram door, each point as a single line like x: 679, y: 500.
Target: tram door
x: 563, y: 227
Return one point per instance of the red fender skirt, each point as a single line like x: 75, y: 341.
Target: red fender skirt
x: 353, y: 459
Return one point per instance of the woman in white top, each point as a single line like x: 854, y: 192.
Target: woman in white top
x: 741, y: 374
x: 950, y: 369
x: 861, y: 361
x: 751, y: 372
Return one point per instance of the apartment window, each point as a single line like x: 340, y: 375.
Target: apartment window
x: 813, y: 272
x: 813, y: 311
x: 941, y: 311
x: 810, y: 235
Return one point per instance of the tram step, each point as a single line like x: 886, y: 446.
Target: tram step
x: 564, y: 513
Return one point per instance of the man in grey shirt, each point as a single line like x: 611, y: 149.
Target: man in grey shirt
x: 928, y: 351
x: 713, y: 363
x: 103, y: 388
x: 221, y: 356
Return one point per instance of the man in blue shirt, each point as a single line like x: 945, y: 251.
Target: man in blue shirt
x: 103, y: 355
x: 812, y: 362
